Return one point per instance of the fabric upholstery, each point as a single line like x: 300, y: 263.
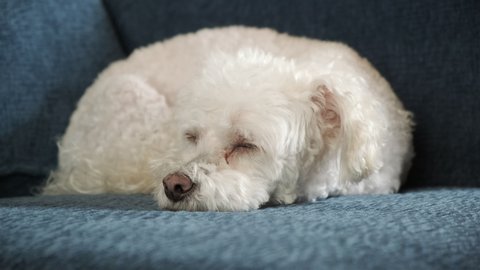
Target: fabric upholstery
x: 50, y: 51
x: 428, y: 50
x: 435, y: 229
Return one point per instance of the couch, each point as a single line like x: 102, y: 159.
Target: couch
x: 429, y: 50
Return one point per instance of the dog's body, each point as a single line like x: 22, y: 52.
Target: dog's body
x: 232, y: 118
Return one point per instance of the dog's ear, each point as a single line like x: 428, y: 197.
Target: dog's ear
x: 345, y: 122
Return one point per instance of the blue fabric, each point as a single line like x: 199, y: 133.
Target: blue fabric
x: 50, y: 52
x: 429, y: 51
x: 433, y: 229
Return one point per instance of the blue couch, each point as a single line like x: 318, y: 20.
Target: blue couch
x: 51, y: 50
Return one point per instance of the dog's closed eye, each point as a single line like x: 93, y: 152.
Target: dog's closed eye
x: 244, y: 147
x: 191, y: 137
x: 239, y: 149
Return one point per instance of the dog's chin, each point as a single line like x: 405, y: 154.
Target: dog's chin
x: 185, y: 205
x: 190, y: 204
x: 199, y: 203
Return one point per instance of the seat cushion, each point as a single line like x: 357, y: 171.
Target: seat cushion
x: 428, y: 50
x: 50, y: 52
x: 429, y: 229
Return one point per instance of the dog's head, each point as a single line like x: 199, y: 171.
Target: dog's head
x: 247, y: 131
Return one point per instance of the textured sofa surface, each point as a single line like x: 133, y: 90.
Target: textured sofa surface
x: 51, y: 50
x: 435, y: 229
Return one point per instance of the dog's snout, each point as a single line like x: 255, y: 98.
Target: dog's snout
x: 177, y: 186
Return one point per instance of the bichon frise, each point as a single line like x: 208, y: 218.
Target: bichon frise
x: 233, y: 118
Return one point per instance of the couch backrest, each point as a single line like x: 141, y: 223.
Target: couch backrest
x: 50, y: 51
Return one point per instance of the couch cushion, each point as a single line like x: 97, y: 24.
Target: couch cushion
x: 428, y: 50
x: 50, y: 52
x: 433, y: 229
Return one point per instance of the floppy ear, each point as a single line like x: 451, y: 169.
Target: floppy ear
x: 346, y: 122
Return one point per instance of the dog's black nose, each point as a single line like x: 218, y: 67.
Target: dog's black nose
x: 177, y: 186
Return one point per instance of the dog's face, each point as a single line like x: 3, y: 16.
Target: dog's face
x: 245, y: 133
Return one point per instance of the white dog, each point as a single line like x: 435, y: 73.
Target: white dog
x: 232, y: 118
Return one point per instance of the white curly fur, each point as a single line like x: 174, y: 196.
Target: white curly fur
x: 323, y: 120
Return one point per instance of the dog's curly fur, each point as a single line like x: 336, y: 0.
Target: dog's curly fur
x: 319, y: 121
